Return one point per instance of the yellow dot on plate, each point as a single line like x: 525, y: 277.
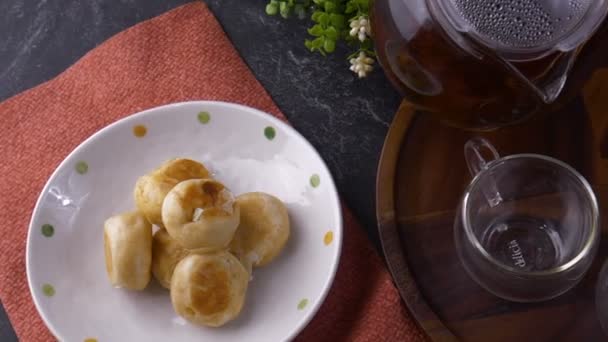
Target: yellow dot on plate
x: 302, y: 304
x: 328, y: 238
x: 315, y: 180
x: 82, y: 167
x: 90, y: 340
x: 139, y: 131
x: 48, y: 290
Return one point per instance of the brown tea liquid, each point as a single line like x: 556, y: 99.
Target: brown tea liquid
x: 464, y: 88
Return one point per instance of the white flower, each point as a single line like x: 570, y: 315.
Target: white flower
x: 361, y: 65
x: 359, y: 27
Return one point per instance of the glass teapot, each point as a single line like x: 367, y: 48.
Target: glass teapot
x: 484, y: 64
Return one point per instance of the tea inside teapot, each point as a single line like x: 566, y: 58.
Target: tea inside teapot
x: 525, y: 30
x: 482, y: 64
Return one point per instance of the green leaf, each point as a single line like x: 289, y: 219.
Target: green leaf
x: 329, y: 6
x: 340, y: 7
x: 284, y: 10
x: 350, y: 7
x: 329, y: 45
x: 317, y: 43
x: 318, y: 2
x: 331, y: 33
x: 324, y: 19
x: 308, y: 44
x: 337, y: 20
x: 316, y: 15
x: 363, y: 4
x: 316, y: 31
x: 272, y: 9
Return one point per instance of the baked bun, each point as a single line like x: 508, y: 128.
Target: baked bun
x: 209, y: 289
x: 127, y: 242
x: 263, y: 230
x: 166, y: 253
x: 151, y: 189
x: 201, y: 215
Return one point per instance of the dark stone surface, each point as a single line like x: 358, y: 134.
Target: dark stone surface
x: 345, y: 118
x: 6, y: 331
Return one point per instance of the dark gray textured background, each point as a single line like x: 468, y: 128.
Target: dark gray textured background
x: 344, y: 118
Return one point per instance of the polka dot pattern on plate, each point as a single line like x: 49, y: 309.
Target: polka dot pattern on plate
x: 48, y: 290
x: 315, y: 180
x: 328, y: 238
x: 204, y: 117
x: 82, y: 167
x: 269, y: 132
x: 140, y: 131
x: 190, y: 133
x: 47, y: 230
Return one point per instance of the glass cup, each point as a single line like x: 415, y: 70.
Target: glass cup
x: 601, y: 297
x: 527, y: 228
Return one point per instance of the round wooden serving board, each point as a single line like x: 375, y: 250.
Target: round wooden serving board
x: 421, y: 178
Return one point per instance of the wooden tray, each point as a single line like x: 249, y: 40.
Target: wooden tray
x: 421, y: 178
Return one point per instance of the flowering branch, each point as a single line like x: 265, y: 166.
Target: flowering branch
x: 334, y: 21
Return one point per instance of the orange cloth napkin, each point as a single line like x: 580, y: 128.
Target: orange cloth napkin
x: 181, y: 55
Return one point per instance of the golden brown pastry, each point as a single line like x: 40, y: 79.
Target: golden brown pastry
x: 127, y: 242
x: 201, y: 215
x: 151, y: 189
x: 166, y: 253
x: 263, y: 230
x: 209, y: 289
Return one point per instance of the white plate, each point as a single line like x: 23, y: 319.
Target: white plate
x: 246, y: 149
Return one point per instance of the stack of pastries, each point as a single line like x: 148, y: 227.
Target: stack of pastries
x: 207, y: 244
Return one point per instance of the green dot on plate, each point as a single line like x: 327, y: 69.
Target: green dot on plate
x: 315, y: 180
x: 82, y: 167
x: 302, y: 304
x: 204, y: 117
x: 47, y: 230
x: 48, y: 290
x: 270, y: 133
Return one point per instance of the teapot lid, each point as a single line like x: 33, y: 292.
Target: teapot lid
x: 523, y: 29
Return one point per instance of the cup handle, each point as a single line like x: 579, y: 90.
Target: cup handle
x: 476, y: 163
